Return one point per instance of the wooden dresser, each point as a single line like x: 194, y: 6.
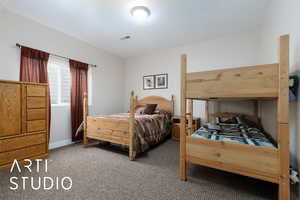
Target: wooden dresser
x: 23, y: 121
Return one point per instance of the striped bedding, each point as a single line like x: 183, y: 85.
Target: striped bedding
x: 234, y: 130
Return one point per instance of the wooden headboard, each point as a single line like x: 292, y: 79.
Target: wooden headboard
x: 161, y: 102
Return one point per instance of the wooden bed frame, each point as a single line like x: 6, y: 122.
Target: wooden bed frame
x: 119, y: 131
x: 255, y: 82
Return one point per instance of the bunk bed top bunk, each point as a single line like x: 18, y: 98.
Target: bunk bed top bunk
x: 254, y: 82
x: 259, y: 81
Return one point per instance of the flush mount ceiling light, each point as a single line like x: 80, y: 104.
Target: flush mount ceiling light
x: 140, y: 13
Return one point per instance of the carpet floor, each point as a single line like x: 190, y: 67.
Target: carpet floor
x: 100, y: 172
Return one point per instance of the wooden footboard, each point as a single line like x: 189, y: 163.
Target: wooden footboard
x: 110, y: 130
x: 118, y: 131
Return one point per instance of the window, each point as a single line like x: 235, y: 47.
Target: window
x: 60, y: 81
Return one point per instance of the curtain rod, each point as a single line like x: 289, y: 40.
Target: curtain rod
x: 20, y: 46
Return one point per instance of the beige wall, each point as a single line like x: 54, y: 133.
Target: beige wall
x: 282, y: 17
x: 228, y: 51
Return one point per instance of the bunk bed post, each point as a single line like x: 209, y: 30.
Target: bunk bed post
x: 85, y: 114
x: 131, y: 126
x: 283, y: 117
x: 206, y: 111
x: 173, y: 103
x: 183, y: 119
x: 190, y: 116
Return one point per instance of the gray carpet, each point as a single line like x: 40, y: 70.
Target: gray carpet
x: 100, y: 172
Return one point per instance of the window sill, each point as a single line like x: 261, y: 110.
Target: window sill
x: 60, y: 105
x: 63, y: 105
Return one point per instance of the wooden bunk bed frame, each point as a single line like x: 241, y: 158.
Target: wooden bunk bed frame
x: 119, y: 131
x: 255, y: 82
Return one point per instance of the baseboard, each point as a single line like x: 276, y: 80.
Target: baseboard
x: 61, y: 143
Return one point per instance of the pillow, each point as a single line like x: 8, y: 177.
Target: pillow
x: 149, y: 109
x: 140, y: 110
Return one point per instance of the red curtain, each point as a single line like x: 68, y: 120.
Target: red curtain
x: 79, y: 87
x: 33, y: 68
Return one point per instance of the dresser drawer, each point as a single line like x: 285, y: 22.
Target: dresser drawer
x: 36, y: 102
x: 36, y: 114
x: 21, y: 142
x: 8, y: 157
x: 36, y: 125
x: 36, y: 91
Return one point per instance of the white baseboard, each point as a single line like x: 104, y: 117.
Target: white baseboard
x: 60, y: 143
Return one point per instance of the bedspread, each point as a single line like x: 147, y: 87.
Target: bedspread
x: 148, y: 129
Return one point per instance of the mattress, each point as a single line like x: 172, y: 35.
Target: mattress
x: 234, y: 130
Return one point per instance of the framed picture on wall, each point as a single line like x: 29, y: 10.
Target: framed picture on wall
x: 161, y: 81
x: 149, y: 82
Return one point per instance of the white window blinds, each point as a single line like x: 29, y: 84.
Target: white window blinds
x: 59, y: 76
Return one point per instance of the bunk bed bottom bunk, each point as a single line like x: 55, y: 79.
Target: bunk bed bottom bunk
x: 253, y: 161
x: 236, y: 129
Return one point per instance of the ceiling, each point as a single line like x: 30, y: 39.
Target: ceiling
x: 102, y: 23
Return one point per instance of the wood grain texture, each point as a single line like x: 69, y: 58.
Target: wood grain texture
x: 21, y: 161
x: 190, y: 117
x: 108, y: 129
x: 176, y: 131
x: 36, y: 102
x: 6, y: 158
x: 238, y: 158
x: 36, y: 114
x: 244, y: 82
x: 182, y: 158
x: 85, y: 114
x: 161, y: 102
x: 36, y: 125
x: 131, y: 126
x: 283, y: 78
x: 283, y: 117
x: 21, y: 142
x: 30, y: 138
x: 24, y: 108
x: 10, y: 109
x: 36, y: 91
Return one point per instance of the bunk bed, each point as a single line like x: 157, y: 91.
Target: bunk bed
x: 133, y: 130
x: 244, y: 83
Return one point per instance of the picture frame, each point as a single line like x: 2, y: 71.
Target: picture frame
x: 149, y: 82
x: 161, y: 81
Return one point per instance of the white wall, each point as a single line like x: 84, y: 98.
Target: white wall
x: 228, y: 51
x: 107, y: 77
x: 282, y: 17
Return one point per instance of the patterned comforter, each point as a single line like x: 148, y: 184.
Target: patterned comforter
x: 237, y: 130
x: 149, y: 129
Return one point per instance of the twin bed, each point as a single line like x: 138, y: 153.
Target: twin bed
x: 134, y: 130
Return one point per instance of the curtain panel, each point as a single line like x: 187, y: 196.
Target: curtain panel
x: 79, y: 73
x: 33, y: 68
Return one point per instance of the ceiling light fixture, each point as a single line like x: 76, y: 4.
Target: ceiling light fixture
x: 140, y: 13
